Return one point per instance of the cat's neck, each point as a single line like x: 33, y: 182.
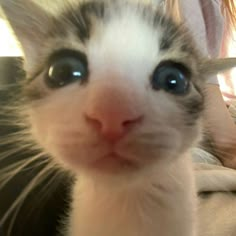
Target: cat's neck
x: 160, y: 203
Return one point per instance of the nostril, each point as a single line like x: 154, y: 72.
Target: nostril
x: 112, y: 126
x: 94, y: 122
x: 131, y: 122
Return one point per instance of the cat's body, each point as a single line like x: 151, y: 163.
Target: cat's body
x: 122, y: 115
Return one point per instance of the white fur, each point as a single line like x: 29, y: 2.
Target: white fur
x: 136, y: 207
x: 125, y: 45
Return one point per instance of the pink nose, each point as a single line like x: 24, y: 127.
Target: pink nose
x: 113, y: 112
x: 113, y: 126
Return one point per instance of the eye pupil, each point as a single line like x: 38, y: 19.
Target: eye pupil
x: 65, y: 69
x: 171, y: 78
x: 171, y: 82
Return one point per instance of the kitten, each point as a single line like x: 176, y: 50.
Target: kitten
x: 114, y: 93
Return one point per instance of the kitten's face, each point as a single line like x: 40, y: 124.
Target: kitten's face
x: 114, y: 87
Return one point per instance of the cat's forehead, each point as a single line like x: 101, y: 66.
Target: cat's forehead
x: 125, y: 40
x: 121, y: 32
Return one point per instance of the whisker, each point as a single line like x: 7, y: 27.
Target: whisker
x: 23, y: 150
x: 20, y: 168
x: 16, y: 134
x: 11, y: 167
x: 20, y: 203
x: 56, y: 178
x: 6, y: 170
x: 42, y: 175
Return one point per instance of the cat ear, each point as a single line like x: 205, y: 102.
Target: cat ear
x: 214, y: 66
x: 29, y: 22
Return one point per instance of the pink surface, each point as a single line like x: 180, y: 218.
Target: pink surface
x: 208, y: 27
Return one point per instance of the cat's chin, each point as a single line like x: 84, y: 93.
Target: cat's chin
x: 109, y: 164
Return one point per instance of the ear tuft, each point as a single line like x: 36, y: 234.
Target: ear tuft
x: 28, y: 20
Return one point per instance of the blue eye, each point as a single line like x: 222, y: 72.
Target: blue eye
x: 171, y: 77
x: 66, y: 67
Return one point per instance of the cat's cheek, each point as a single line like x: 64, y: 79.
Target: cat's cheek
x: 65, y: 136
x: 59, y: 145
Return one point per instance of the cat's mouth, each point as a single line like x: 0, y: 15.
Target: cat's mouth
x: 113, y: 163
